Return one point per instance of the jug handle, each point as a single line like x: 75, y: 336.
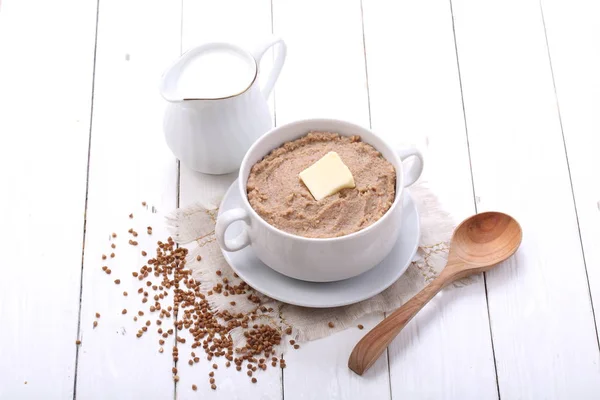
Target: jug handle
x: 258, y: 54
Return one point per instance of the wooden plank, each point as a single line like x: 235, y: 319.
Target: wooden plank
x: 415, y: 98
x: 245, y: 23
x: 325, y: 77
x: 541, y: 317
x: 206, y: 21
x: 129, y: 163
x: 46, y: 73
x: 319, y: 369
x: 324, y: 74
x: 574, y: 45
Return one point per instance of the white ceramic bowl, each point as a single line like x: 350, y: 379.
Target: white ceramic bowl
x: 310, y: 259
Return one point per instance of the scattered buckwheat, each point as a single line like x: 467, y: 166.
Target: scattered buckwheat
x: 191, y: 311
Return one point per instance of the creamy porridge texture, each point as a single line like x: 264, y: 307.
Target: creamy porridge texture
x: 278, y: 195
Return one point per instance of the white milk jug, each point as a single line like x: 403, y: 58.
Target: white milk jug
x: 217, y: 109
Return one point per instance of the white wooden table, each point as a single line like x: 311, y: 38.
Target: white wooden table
x: 502, y: 96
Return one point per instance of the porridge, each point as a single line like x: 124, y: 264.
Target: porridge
x: 280, y: 197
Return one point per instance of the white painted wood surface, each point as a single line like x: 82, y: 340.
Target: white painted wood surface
x: 415, y: 98
x: 541, y: 316
x: 386, y: 64
x: 573, y: 36
x: 46, y: 72
x: 129, y: 163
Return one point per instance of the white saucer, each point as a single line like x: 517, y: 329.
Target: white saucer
x: 326, y: 294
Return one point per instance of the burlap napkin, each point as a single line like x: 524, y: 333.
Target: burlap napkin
x: 194, y: 227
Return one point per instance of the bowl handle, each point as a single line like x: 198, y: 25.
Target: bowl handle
x: 412, y: 173
x: 223, y: 221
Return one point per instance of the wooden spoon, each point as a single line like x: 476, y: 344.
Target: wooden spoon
x: 478, y: 243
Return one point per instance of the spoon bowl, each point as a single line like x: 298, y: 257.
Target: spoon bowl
x: 478, y: 243
x: 484, y: 240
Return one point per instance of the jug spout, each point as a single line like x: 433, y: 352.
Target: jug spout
x: 209, y: 72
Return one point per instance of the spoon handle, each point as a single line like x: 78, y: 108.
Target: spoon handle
x: 370, y: 347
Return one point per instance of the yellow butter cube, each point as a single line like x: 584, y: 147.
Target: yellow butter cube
x: 327, y: 176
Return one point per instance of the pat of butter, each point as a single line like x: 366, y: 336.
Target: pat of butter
x: 327, y: 176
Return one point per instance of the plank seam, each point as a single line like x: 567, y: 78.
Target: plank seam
x: 282, y: 374
x: 362, y: 21
x: 462, y: 97
x: 275, y: 88
x: 274, y: 94
x: 569, y: 173
x: 85, y: 207
x: 178, y: 196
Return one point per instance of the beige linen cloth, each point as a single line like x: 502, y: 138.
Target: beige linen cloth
x: 194, y: 226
